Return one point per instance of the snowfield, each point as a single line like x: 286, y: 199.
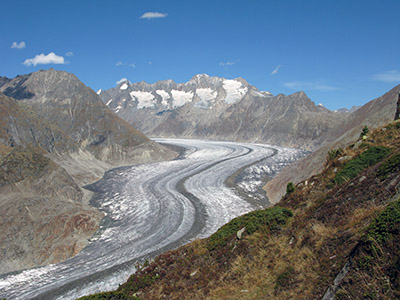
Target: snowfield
x: 234, y: 90
x: 150, y: 209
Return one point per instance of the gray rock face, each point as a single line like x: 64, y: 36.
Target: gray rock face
x: 218, y: 108
x: 44, y: 216
x: 21, y: 126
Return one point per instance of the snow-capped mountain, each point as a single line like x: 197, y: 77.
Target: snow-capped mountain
x: 218, y: 108
x: 202, y: 91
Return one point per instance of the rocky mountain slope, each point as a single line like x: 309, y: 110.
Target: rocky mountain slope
x: 333, y: 236
x: 62, y: 99
x: 44, y: 216
x: 223, y: 109
x: 55, y: 136
x: 373, y: 114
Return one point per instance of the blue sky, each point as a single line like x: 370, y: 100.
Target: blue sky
x: 341, y: 53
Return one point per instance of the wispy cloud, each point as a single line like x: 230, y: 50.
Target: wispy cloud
x: 276, y: 70
x: 69, y: 54
x: 120, y: 63
x: 227, y: 64
x: 122, y: 80
x: 309, y: 85
x: 387, y: 76
x: 153, y: 15
x: 42, y: 59
x: 20, y: 45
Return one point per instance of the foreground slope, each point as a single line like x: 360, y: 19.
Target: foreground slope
x: 375, y: 113
x: 222, y: 109
x: 346, y: 221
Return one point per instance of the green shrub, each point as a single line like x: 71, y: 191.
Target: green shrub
x: 382, y: 227
x: 109, y: 296
x: 290, y: 188
x: 270, y: 219
x: 364, y: 131
x: 334, y: 153
x: 368, y: 158
x: 391, y: 166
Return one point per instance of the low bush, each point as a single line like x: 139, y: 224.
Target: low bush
x: 389, y: 167
x: 334, y: 153
x: 366, y: 159
x: 290, y: 188
x: 270, y: 219
x: 382, y: 227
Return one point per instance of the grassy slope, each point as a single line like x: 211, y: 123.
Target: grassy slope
x: 295, y: 251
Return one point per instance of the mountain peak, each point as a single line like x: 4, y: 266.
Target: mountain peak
x: 198, y: 76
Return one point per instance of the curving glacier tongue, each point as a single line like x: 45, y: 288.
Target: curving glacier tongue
x: 149, y: 209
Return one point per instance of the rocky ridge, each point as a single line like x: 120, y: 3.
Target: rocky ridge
x: 223, y: 109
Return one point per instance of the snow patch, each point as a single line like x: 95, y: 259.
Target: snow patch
x: 257, y: 93
x: 145, y: 99
x: 207, y: 97
x: 234, y: 91
x: 181, y: 98
x: 164, y: 95
x: 118, y: 108
x: 124, y: 86
x: 109, y: 101
x: 99, y: 92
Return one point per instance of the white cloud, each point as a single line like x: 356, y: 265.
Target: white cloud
x: 309, y: 85
x: 150, y: 62
x: 20, y: 45
x: 226, y: 64
x: 275, y: 71
x: 120, y: 63
x: 122, y: 80
x: 42, y: 59
x: 69, y: 53
x: 153, y: 15
x: 387, y: 76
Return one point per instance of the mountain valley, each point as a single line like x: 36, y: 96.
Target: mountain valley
x: 57, y: 136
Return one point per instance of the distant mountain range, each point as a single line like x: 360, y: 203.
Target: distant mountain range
x: 223, y: 109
